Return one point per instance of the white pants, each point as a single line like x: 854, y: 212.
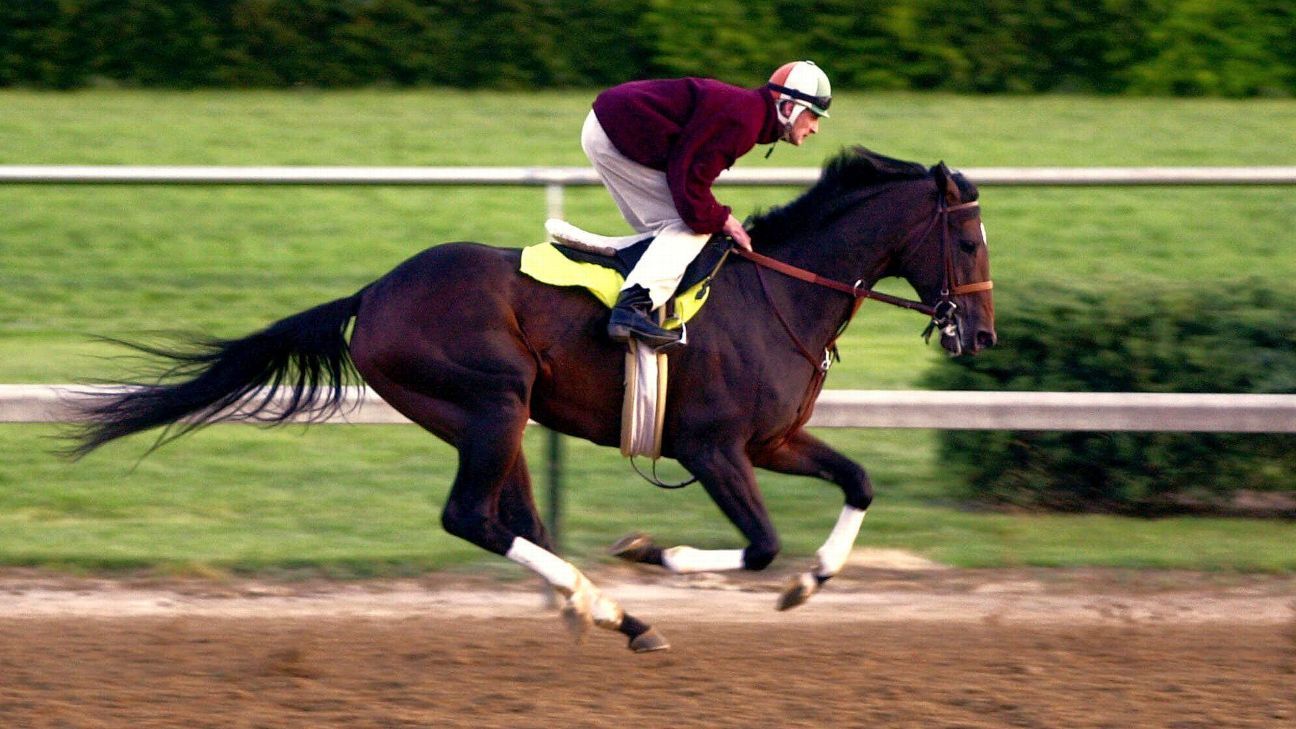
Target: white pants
x: 644, y: 198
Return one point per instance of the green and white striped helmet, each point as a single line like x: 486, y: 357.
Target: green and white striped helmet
x: 805, y: 85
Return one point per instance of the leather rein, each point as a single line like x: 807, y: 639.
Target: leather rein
x: 943, y: 313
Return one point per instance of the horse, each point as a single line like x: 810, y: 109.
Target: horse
x: 461, y: 343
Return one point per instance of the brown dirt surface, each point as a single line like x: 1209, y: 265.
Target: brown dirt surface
x: 906, y: 645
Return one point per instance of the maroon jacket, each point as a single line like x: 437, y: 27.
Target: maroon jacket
x: 692, y: 129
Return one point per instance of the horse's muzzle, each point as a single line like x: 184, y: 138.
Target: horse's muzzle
x: 955, y: 340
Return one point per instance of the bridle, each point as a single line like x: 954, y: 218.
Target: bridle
x: 944, y: 313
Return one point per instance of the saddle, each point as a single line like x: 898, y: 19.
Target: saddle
x: 600, y: 265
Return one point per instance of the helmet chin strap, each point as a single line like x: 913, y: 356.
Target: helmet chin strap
x: 789, y: 120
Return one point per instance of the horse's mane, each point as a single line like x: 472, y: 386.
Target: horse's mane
x: 851, y: 170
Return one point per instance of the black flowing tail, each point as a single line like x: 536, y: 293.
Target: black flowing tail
x: 306, y: 354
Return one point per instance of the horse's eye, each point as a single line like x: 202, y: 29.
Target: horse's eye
x: 967, y: 245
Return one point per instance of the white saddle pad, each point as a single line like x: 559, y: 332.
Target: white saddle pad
x: 567, y: 234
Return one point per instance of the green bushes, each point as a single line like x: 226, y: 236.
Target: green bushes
x: 325, y: 43
x: 1203, y: 338
x: 1215, y: 47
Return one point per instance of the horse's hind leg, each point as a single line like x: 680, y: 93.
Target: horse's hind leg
x: 517, y: 507
x: 518, y: 511
x: 491, y: 505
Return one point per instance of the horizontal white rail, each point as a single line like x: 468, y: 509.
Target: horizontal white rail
x: 1104, y: 411
x: 942, y: 410
x: 574, y: 176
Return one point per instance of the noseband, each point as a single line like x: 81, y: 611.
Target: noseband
x: 944, y: 313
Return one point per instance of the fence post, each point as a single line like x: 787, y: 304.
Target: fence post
x: 554, y: 209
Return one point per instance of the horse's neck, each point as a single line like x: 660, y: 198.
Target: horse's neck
x: 815, y: 312
x: 853, y: 247
x: 857, y: 247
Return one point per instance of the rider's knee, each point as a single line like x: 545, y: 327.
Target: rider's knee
x: 759, y: 556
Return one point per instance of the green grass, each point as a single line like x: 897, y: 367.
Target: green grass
x: 122, y: 261
x: 350, y: 503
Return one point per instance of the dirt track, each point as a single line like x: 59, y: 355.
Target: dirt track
x: 880, y: 648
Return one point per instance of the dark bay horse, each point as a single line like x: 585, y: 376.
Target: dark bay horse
x: 460, y: 342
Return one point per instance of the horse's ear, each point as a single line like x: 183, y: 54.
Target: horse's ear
x: 945, y: 182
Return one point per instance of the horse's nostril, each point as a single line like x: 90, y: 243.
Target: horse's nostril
x: 986, y: 339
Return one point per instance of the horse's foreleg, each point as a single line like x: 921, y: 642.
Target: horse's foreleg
x: 830, y: 558
x: 805, y: 455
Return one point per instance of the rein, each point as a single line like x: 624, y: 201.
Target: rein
x: 856, y: 291
x: 943, y: 312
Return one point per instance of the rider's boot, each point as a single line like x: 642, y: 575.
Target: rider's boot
x: 632, y: 317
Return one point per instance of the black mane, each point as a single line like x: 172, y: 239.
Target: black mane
x: 853, y: 169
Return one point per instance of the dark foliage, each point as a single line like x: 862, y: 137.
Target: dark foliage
x: 1236, y: 338
x: 1211, y: 47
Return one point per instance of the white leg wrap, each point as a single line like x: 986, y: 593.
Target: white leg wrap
x: 687, y: 559
x: 559, y: 572
x: 603, y: 610
x: 832, y: 555
x: 586, y: 604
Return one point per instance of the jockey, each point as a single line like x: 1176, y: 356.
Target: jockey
x: 659, y: 145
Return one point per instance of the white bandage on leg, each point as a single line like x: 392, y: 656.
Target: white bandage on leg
x: 557, y: 571
x: 832, y: 555
x: 687, y: 559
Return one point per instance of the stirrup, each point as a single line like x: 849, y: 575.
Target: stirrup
x: 630, y: 319
x: 643, y: 330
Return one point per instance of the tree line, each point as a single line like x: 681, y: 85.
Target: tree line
x: 1235, y: 48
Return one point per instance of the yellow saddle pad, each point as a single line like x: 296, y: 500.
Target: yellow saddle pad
x: 547, y: 264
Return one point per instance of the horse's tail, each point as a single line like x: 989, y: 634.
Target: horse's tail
x: 306, y: 354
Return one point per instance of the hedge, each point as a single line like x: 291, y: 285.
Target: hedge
x: 1214, y: 47
x: 1238, y: 338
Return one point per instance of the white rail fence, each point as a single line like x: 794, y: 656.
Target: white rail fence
x: 584, y: 176
x: 945, y: 410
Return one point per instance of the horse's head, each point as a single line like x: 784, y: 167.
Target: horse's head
x: 948, y: 264
x: 873, y: 216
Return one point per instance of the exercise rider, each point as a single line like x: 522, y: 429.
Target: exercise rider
x: 658, y: 146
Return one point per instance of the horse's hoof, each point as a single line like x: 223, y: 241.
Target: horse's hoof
x: 632, y: 547
x: 649, y: 641
x: 798, y: 590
